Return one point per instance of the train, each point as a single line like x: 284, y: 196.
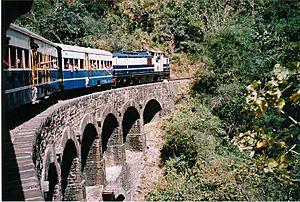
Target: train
x: 34, y: 68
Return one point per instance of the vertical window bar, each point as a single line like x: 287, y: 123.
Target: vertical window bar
x: 16, y: 58
x: 23, y: 59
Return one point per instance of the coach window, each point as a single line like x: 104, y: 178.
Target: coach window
x: 110, y: 64
x: 26, y: 59
x: 45, y: 61
x: 6, y: 59
x: 75, y: 64
x: 50, y: 62
x: 66, y: 63
x: 40, y: 58
x: 13, y: 57
x: 19, y: 58
x: 81, y: 64
x: 96, y: 64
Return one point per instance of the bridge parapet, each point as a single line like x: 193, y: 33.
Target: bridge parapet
x: 78, y: 146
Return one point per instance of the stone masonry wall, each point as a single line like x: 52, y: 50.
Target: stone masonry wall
x: 67, y: 120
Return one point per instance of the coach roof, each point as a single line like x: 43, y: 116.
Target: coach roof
x: 30, y: 34
x: 66, y: 47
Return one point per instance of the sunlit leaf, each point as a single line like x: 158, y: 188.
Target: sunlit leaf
x: 283, y: 165
x: 272, y: 163
x: 260, y: 144
x: 282, y: 143
x: 295, y: 97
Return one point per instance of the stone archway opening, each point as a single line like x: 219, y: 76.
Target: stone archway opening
x: 151, y: 110
x: 133, y: 139
x: 91, y: 163
x: 89, y: 155
x: 130, y: 123
x: 112, y: 148
x: 109, y: 129
x: 112, y: 197
x: 53, y: 189
x: 113, y: 153
x: 70, y: 174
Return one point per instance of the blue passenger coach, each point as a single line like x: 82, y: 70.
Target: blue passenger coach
x: 29, y: 67
x: 85, y: 67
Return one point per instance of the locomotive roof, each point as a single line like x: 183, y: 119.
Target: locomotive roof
x: 66, y: 47
x: 135, y: 54
x: 132, y: 54
x: 30, y: 34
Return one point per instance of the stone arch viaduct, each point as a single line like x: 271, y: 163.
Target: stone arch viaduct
x: 78, y: 149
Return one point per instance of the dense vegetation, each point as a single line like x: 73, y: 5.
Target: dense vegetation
x: 236, y: 135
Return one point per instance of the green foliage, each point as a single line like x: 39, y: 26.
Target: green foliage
x: 229, y: 44
x: 65, y: 25
x: 259, y: 185
x: 206, y: 181
x: 196, y: 156
x: 276, y: 147
x: 191, y: 133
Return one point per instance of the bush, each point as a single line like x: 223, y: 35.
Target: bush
x: 191, y: 133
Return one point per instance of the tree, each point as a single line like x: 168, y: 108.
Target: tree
x: 277, y: 148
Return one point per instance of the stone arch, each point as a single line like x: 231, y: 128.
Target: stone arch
x: 88, y: 119
x: 110, y: 127
x: 72, y: 189
x: 151, y: 108
x: 112, y: 146
x: 110, y: 132
x: 120, y: 197
x: 68, y: 133
x: 91, y: 159
x: 131, y: 119
x: 50, y: 180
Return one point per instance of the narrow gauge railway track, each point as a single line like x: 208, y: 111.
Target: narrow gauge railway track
x: 183, y: 78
